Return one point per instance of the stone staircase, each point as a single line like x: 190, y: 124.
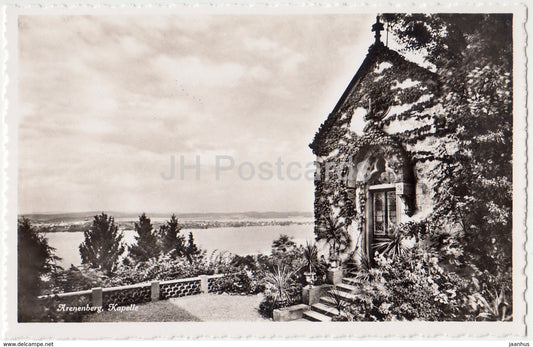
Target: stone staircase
x: 325, y: 309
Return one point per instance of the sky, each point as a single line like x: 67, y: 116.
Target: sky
x: 108, y: 103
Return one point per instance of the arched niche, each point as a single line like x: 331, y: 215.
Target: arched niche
x: 382, y: 164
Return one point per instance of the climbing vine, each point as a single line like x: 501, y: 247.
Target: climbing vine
x: 377, y: 89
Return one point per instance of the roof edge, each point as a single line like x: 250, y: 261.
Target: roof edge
x: 367, y: 62
x: 373, y: 52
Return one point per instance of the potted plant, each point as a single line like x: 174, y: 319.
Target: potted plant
x: 334, y: 260
x: 311, y: 259
x: 279, y: 281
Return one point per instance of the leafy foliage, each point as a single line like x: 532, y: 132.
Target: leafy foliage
x: 36, y: 259
x: 280, y: 282
x: 283, y: 273
x: 310, y: 253
x: 333, y: 231
x: 281, y: 289
x: 457, y: 136
x: 391, y: 244
x: 75, y: 279
x: 496, y: 308
x: 146, y: 241
x: 420, y: 283
x: 286, y: 251
x: 473, y: 172
x: 192, y: 252
x: 269, y: 304
x: 339, y: 303
x: 103, y: 244
x: 170, y: 238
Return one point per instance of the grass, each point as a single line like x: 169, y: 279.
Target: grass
x: 161, y: 311
x: 221, y: 307
x: 195, y: 308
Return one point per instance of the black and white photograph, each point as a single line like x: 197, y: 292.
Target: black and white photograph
x: 279, y: 169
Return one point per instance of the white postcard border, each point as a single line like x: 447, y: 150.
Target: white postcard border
x: 13, y: 329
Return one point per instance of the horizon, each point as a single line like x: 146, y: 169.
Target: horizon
x: 165, y: 213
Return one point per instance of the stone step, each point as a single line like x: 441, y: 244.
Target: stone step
x: 345, y: 296
x: 346, y: 287
x: 327, y: 300
x: 349, y: 280
x: 316, y: 316
x: 325, y: 309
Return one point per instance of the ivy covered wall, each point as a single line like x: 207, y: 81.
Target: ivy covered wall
x: 387, y: 110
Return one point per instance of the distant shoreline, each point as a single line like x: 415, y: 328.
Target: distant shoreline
x: 187, y: 225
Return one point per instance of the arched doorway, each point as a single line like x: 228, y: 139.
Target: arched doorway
x: 384, y: 190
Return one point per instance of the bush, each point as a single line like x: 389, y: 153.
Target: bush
x: 281, y: 289
x: 415, y: 284
x: 50, y: 312
x: 165, y: 267
x: 76, y: 278
x: 270, y: 303
x: 248, y: 279
x: 412, y: 287
x: 36, y: 260
x: 241, y: 283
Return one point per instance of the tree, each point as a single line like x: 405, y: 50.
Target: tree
x: 171, y: 240
x: 145, y: 246
x: 103, y: 245
x: 35, y: 260
x: 283, y: 244
x: 192, y: 250
x: 286, y: 251
x: 472, y: 54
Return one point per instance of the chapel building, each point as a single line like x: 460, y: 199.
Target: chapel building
x: 367, y: 177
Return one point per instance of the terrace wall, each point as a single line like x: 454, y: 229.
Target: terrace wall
x: 143, y: 292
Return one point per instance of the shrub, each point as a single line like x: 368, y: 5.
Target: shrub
x: 268, y: 305
x: 490, y: 299
x: 312, y: 264
x: 241, y: 283
x: 281, y: 289
x: 76, y: 278
x: 51, y: 313
x: 421, y: 273
x: 412, y: 286
x: 271, y: 303
x: 165, y: 267
x: 36, y: 259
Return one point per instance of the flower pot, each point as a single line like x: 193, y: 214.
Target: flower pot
x: 310, y: 277
x: 334, y: 263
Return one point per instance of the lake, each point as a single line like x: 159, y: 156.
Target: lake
x: 242, y: 241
